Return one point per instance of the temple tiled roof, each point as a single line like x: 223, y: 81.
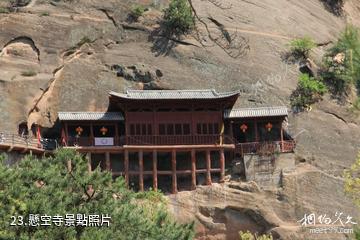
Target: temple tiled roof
x: 256, y: 112
x: 173, y: 94
x: 90, y: 116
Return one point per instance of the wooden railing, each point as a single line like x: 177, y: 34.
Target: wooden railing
x: 175, y: 140
x: 90, y: 141
x: 276, y: 146
x: 14, y: 139
x: 155, y: 140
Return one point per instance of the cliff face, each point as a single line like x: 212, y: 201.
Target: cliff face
x: 63, y: 56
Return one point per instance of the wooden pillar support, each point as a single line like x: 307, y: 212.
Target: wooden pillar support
x: 208, y: 167
x: 88, y: 157
x: 193, y: 169
x: 107, y: 161
x: 173, y: 168
x: 282, y: 136
x: 155, y: 177
x: 117, y: 136
x: 222, y: 165
x: 256, y: 131
x: 66, y: 133
x: 92, y: 139
x: 141, y: 170
x: 126, y: 166
x: 69, y: 166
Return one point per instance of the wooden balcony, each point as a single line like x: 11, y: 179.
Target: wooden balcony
x: 216, y: 139
x: 285, y: 146
x: 150, y: 140
x: 93, y: 141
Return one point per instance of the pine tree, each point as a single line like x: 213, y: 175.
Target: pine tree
x: 46, y: 187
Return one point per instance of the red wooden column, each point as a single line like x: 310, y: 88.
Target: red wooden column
x: 155, y: 177
x: 117, y: 137
x: 222, y: 165
x: 193, y: 169
x: 256, y: 131
x: 66, y: 133
x: 107, y: 161
x: 208, y: 167
x: 282, y: 137
x: 173, y: 167
x: 126, y: 166
x: 141, y: 171
x: 92, y: 139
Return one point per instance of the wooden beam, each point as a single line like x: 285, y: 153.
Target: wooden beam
x: 141, y: 170
x: 208, y: 167
x: 222, y: 165
x: 155, y: 175
x: 193, y: 169
x: 173, y: 168
x: 126, y: 166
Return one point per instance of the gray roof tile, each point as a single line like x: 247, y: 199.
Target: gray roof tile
x: 90, y: 116
x: 256, y: 112
x: 173, y: 94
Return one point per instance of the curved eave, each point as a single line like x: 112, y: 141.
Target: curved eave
x: 218, y: 96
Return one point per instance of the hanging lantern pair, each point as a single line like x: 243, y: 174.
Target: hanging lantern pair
x: 268, y: 126
x: 79, y: 130
x: 244, y: 128
x: 103, y: 131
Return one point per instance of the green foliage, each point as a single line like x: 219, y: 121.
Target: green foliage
x: 137, y: 11
x: 179, y: 17
x: 249, y: 236
x: 352, y: 182
x: 342, y: 62
x: 46, y: 187
x: 356, y: 104
x: 301, y: 47
x: 44, y: 14
x: 357, y: 234
x: 308, y: 92
x: 352, y: 186
x: 28, y: 73
x: 4, y: 10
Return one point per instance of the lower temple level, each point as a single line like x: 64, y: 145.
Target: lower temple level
x: 168, y: 169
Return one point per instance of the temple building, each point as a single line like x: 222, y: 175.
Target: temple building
x: 173, y: 139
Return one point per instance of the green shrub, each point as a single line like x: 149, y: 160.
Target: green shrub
x: 44, y: 14
x: 249, y: 236
x: 4, y: 10
x: 137, y: 11
x: 301, y: 47
x: 342, y: 62
x: 309, y: 91
x: 179, y: 17
x: 356, y: 104
x: 28, y: 73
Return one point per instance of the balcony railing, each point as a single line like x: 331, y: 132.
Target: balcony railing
x: 93, y: 141
x: 176, y: 140
x: 258, y: 147
x: 15, y: 139
x: 150, y: 140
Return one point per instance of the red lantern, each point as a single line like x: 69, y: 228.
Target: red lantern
x: 243, y: 128
x: 103, y: 130
x: 269, y: 126
x: 79, y: 130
